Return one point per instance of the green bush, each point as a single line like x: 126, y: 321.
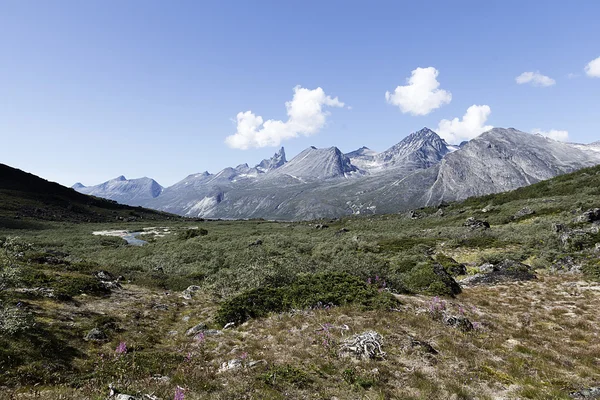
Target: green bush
x: 432, y: 279
x: 306, y: 291
x: 65, y: 287
x: 286, y: 374
x: 192, y: 233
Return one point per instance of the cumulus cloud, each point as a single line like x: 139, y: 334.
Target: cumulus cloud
x: 560, y: 136
x: 471, y: 125
x: 421, y: 95
x: 592, y: 69
x: 305, y: 117
x: 534, y: 79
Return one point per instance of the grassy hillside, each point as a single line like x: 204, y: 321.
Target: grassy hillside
x: 297, y: 291
x: 26, y: 199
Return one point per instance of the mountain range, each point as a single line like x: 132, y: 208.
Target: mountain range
x: 421, y: 170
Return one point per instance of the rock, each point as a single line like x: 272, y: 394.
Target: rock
x: 229, y: 325
x: 257, y: 242
x: 96, y: 335
x: 506, y: 271
x: 459, y: 322
x: 566, y: 264
x: 523, y: 212
x: 37, y: 291
x: 231, y: 364
x: 486, y: 268
x: 591, y: 215
x: 557, y: 228
x: 412, y: 214
x: 160, y: 307
x: 476, y: 223
x: 589, y: 393
x: 190, y: 292
x: 321, y: 226
x: 439, y: 212
x: 122, y: 396
x: 104, y: 276
x: 201, y: 327
x: 426, y: 347
x: 446, y: 278
x: 342, y: 231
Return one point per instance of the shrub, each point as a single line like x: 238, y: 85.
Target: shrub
x: 432, y: 279
x: 286, y: 374
x: 192, y: 233
x: 306, y: 291
x: 14, y: 320
x: 65, y: 287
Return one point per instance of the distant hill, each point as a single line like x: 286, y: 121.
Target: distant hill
x: 25, y: 197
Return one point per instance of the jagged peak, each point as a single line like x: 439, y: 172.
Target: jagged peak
x: 78, y: 185
x: 119, y: 178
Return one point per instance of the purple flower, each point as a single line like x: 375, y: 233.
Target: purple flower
x: 199, y: 337
x: 179, y: 393
x: 244, y: 355
x: 121, y: 348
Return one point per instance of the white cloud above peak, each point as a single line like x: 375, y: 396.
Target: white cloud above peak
x: 554, y: 134
x: 535, y: 79
x: 592, y: 69
x: 306, y: 117
x: 472, y: 125
x: 421, y: 95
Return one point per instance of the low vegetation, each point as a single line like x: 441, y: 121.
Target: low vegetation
x: 227, y: 309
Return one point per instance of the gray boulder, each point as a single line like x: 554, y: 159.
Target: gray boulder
x: 189, y: 293
x: 476, y: 223
x: 96, y: 335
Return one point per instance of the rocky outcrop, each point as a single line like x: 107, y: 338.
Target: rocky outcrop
x: 506, y: 271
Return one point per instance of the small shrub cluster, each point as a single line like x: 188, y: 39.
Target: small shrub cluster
x: 306, y: 291
x: 192, y: 233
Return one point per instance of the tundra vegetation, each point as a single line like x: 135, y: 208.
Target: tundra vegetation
x: 493, y: 297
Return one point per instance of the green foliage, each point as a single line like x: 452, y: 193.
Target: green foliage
x: 306, y: 291
x: 353, y: 377
x: 428, y: 278
x: 285, y: 374
x: 192, y: 233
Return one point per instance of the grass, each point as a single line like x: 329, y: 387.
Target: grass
x: 296, y: 293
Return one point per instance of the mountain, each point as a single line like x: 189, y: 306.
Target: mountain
x: 272, y: 163
x: 505, y: 159
x: 422, y: 169
x: 132, y: 192
x: 317, y: 164
x: 25, y: 197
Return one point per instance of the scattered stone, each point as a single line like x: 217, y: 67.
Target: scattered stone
x: 473, y: 223
x: 160, y: 307
x: 591, y: 215
x: 237, y: 363
x: 342, y: 231
x: 257, y: 242
x: 212, y: 332
x: 161, y: 378
x: 96, y: 335
x: 506, y: 271
x: 589, y: 393
x: 201, y: 327
x: 566, y: 264
x: 557, y: 228
x: 190, y: 292
x: 459, y: 322
x: 321, y: 226
x: 104, y: 276
x: 38, y: 292
x: 523, y: 212
x: 412, y: 214
x: 123, y: 396
x: 486, y: 268
x: 439, y: 212
x: 426, y: 347
x: 366, y: 345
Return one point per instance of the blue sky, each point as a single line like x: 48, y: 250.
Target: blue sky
x: 95, y: 89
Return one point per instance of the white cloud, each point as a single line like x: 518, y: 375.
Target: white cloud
x: 422, y: 94
x: 535, y: 79
x: 592, y: 69
x: 560, y: 136
x: 472, y: 125
x: 305, y: 117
